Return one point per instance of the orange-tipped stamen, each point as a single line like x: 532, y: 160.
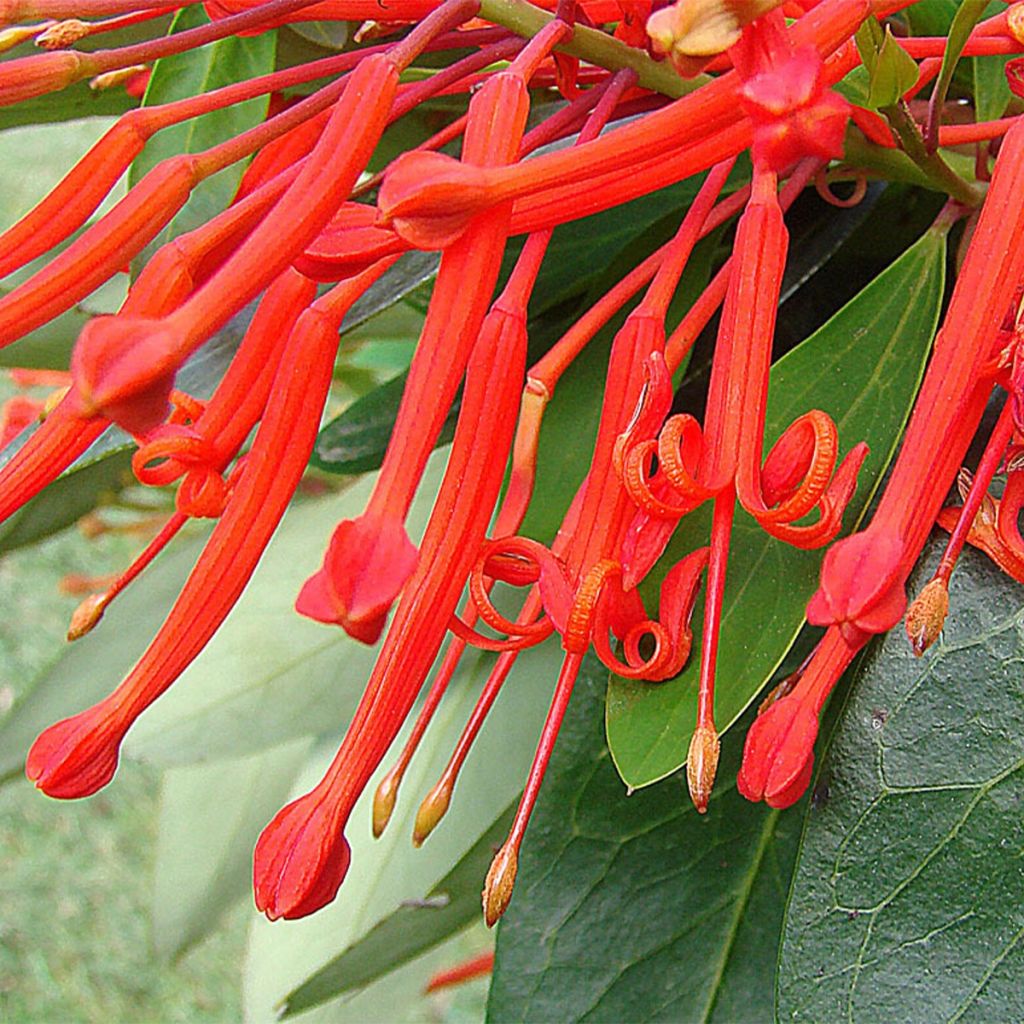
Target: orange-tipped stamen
x: 501, y: 876
x: 88, y: 614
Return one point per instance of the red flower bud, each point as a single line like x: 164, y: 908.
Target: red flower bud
x: 778, y: 755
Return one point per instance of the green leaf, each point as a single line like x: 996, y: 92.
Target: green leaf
x: 906, y: 899
x: 967, y: 16
x: 331, y: 35
x: 638, y: 908
x: 454, y: 903
x: 891, y: 70
x: 188, y: 74
x: 219, y: 807
x: 932, y: 17
x: 92, y: 479
x: 355, y: 441
x: 991, y: 90
x: 863, y: 368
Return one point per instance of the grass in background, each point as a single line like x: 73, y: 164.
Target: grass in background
x: 75, y: 877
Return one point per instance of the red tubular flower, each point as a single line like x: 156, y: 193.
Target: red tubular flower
x: 778, y: 756
x: 510, y: 515
x: 301, y: 857
x: 428, y: 197
x: 77, y: 756
x: 125, y: 366
x: 300, y: 217
x: 371, y: 557
x: 863, y: 577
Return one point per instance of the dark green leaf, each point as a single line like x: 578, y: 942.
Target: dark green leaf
x: 355, y: 441
x: 932, y: 17
x: 219, y: 808
x: 67, y: 499
x: 638, y: 908
x: 188, y: 74
x: 863, y: 368
x: 906, y: 898
x: 411, y: 930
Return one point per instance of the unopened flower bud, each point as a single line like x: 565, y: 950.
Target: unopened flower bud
x: 110, y: 79
x: 17, y: 34
x: 87, y: 615
x: 384, y: 803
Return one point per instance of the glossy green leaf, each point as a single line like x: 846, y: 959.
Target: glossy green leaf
x: 188, y: 74
x: 863, y: 368
x: 906, y: 898
x: 220, y: 807
x: 453, y: 904
x: 637, y: 908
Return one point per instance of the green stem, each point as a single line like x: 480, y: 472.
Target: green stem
x: 940, y: 174
x: 593, y: 46
x: 882, y: 162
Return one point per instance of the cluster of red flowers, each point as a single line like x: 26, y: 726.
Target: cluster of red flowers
x: 758, y: 78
